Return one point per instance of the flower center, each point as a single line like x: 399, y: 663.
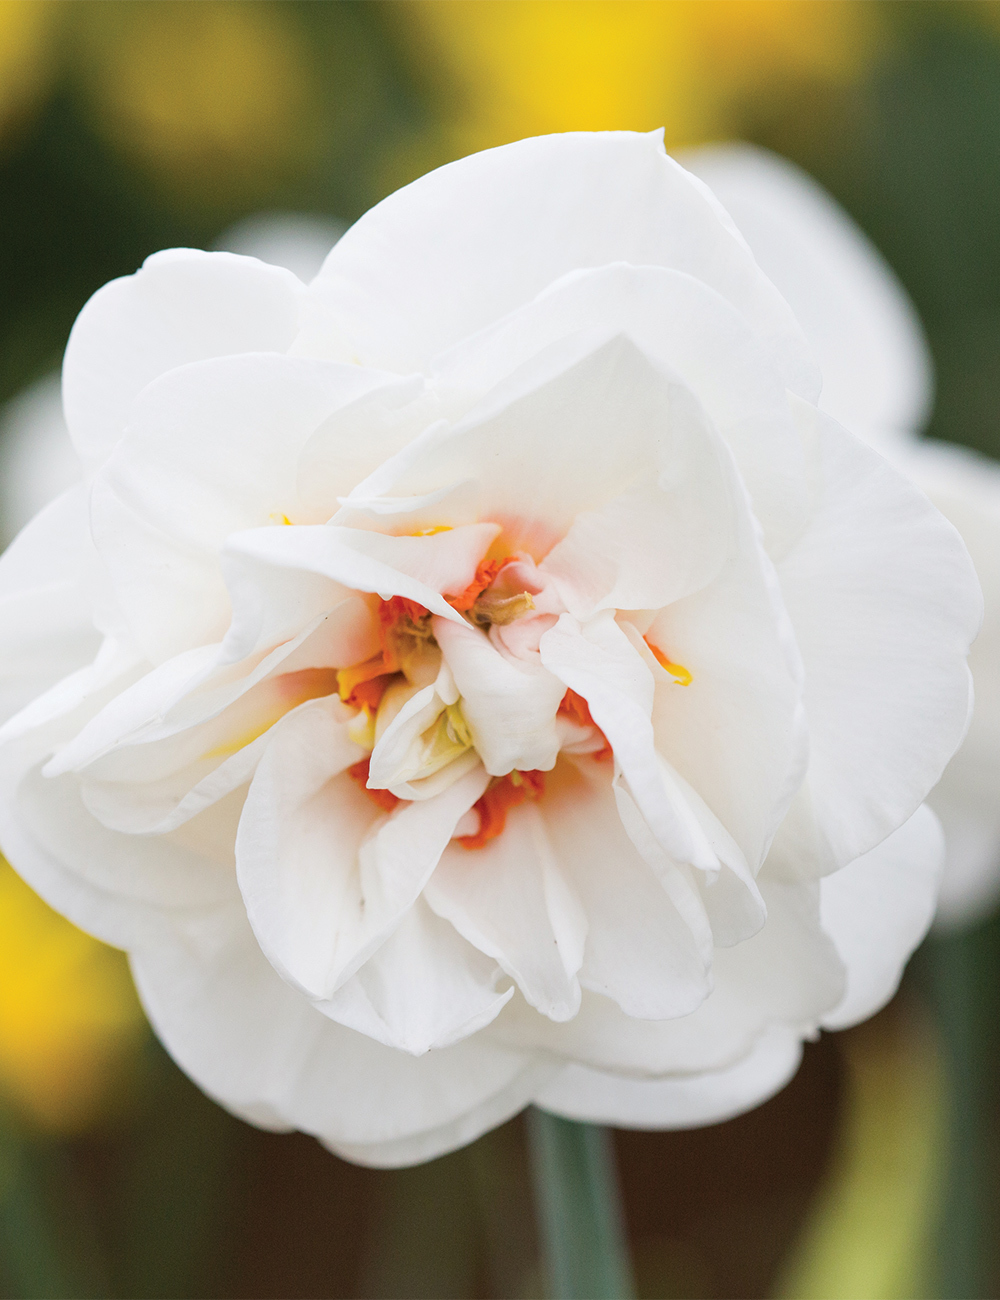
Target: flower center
x: 410, y: 659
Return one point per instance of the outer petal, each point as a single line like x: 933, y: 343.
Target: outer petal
x: 878, y: 909
x: 888, y: 691
x: 787, y: 974
x: 46, y: 628
x: 211, y: 449
x: 680, y: 1102
x: 867, y: 339
x: 121, y: 888
x: 966, y: 489
x: 182, y: 306
x: 406, y: 282
x: 256, y: 1045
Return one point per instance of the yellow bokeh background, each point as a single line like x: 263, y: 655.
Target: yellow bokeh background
x: 505, y: 69
x: 70, y: 1021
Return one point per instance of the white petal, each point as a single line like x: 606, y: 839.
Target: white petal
x: 510, y: 706
x: 118, y: 887
x: 354, y: 441
x: 640, y: 950
x: 591, y: 439
x: 134, y: 708
x: 737, y: 731
x: 787, y: 974
x: 665, y: 535
x: 888, y: 691
x: 162, y: 739
x: 159, y: 805
x: 419, y: 568
x: 426, y: 987
x: 728, y: 891
x: 863, y: 329
x: 599, y: 662
x: 689, y: 331
x: 680, y: 1102
x: 77, y: 697
x: 211, y: 450
x: 259, y: 1047
x: 46, y: 627
x: 182, y: 306
x: 966, y: 489
x: 878, y: 909
x: 325, y: 878
x: 513, y: 901
x: 406, y: 281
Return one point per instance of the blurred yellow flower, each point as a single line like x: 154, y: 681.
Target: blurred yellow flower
x: 26, y: 58
x: 512, y: 68
x: 215, y: 98
x: 70, y: 1021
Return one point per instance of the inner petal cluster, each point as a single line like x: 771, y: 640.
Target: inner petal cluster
x: 409, y: 711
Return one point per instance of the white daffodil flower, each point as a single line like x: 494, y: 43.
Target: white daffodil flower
x: 485, y: 675
x: 877, y: 380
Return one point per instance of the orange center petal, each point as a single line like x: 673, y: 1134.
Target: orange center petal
x: 576, y: 708
x: 504, y: 793
x: 385, y: 799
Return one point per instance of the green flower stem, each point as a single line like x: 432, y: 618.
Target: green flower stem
x: 580, y: 1219
x: 961, y: 974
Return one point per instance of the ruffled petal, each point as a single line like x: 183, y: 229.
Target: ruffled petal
x: 424, y: 988
x: 599, y: 663
x: 262, y: 1050
x: 787, y: 974
x: 878, y: 909
x: 405, y: 282
x: 690, y: 1101
x: 211, y: 450
x: 877, y: 374
x: 736, y: 731
x: 120, y: 888
x: 888, y: 691
x: 589, y: 439
x: 965, y: 487
x: 688, y: 331
x: 157, y: 737
x: 325, y: 878
x: 419, y: 568
x: 510, y: 705
x: 640, y: 950
x: 181, y: 306
x: 46, y: 626
x: 513, y: 901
